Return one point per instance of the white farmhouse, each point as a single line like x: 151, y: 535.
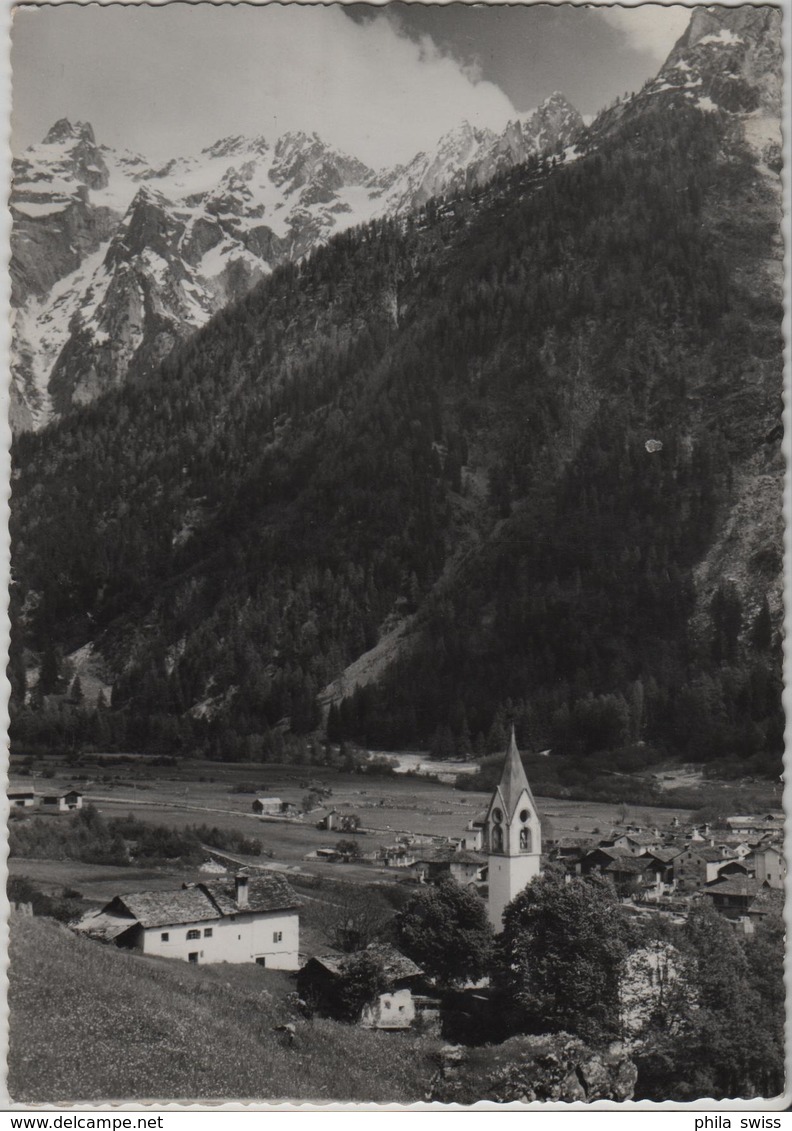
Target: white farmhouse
x: 238, y: 919
x: 21, y: 798
x: 63, y: 802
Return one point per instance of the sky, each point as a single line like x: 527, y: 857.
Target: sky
x: 380, y: 83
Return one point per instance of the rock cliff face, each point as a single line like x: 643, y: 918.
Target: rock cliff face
x: 556, y: 1068
x: 467, y: 156
x: 113, y: 260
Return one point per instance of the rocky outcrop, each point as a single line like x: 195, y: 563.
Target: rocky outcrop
x: 468, y: 157
x: 729, y: 57
x: 548, y: 1068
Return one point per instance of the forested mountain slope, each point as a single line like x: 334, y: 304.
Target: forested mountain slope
x: 525, y: 416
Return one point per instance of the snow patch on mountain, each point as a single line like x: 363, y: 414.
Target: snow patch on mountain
x: 196, y: 233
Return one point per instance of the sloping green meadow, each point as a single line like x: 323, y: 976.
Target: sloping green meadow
x: 91, y: 1023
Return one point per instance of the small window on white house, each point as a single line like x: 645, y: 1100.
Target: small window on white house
x: 208, y: 931
x: 164, y: 936
x: 193, y: 934
x: 277, y: 936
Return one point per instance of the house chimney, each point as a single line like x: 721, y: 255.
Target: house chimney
x: 241, y: 890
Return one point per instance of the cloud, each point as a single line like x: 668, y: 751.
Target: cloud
x: 173, y: 79
x: 651, y: 28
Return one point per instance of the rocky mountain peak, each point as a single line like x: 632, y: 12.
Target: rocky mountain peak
x: 235, y: 145
x: 728, y: 59
x: 63, y: 130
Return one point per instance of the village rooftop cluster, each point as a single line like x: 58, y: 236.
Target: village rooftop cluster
x: 738, y: 865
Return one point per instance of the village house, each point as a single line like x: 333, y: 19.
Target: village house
x: 636, y: 842
x: 460, y: 865
x: 600, y: 858
x: 757, y: 826
x: 570, y: 851
x: 662, y: 860
x: 633, y: 874
x: 63, y: 802
x: 343, y: 822
x: 269, y: 805
x: 473, y: 839
x: 733, y: 896
x: 21, y: 798
x: 327, y: 855
x: 769, y: 865
x: 397, y: 856
x: 237, y: 919
x: 403, y: 999
x: 699, y: 864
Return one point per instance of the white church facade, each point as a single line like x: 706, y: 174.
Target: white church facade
x: 512, y: 837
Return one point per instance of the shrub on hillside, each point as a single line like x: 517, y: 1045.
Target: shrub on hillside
x: 65, y: 907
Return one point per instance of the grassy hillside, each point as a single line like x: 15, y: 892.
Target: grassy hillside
x: 90, y: 1023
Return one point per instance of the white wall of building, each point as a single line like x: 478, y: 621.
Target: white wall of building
x: 770, y: 866
x: 245, y: 937
x: 508, y: 876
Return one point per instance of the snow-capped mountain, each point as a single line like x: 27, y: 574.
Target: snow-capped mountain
x: 467, y: 157
x: 114, y: 259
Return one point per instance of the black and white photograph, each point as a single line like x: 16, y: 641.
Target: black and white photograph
x: 396, y: 435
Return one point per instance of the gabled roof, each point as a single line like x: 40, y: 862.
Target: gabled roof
x: 104, y: 926
x: 634, y: 864
x: 638, y: 838
x: 710, y: 855
x: 513, y: 781
x: 210, y: 900
x: 269, y: 892
x: 167, y: 908
x: 395, y: 965
x: 614, y: 853
x: 735, y: 885
x: 665, y: 855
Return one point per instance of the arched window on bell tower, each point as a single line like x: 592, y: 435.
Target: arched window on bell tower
x: 496, y: 835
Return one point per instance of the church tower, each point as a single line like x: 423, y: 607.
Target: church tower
x: 512, y: 837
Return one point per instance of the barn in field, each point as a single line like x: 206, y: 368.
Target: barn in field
x: 62, y: 802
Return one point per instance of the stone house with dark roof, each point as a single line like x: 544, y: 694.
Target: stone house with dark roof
x: 600, y: 858
x: 237, y: 919
x: 631, y: 874
x: 732, y: 897
x: 403, y: 998
x: 699, y: 864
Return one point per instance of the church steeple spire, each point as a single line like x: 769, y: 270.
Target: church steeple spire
x: 512, y: 834
x: 513, y: 781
